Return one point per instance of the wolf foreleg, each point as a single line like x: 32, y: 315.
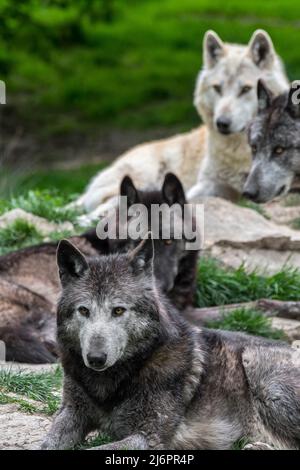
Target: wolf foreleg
x: 133, y: 442
x: 68, y: 429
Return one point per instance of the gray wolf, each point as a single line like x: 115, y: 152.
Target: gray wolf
x: 137, y: 371
x: 274, y: 137
x: 225, y: 98
x: 30, y: 284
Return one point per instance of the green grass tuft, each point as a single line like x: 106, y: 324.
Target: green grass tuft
x: 19, y: 234
x: 252, y: 205
x: 94, y: 441
x: 42, y: 388
x: 220, y: 286
x: 249, y: 321
x: 43, y: 203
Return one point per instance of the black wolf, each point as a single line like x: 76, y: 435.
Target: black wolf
x: 137, y: 371
x: 29, y: 282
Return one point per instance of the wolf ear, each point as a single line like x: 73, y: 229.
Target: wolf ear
x: 261, y: 49
x: 172, y: 190
x: 213, y: 48
x: 264, y: 96
x: 128, y: 189
x: 141, y: 258
x: 71, y: 262
x: 293, y: 102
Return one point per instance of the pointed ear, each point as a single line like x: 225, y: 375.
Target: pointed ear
x: 128, y: 189
x: 213, y: 48
x: 141, y: 258
x: 293, y: 102
x: 172, y: 190
x: 71, y: 262
x: 264, y: 96
x: 261, y: 49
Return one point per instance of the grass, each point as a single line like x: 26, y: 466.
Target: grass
x: 19, y: 234
x: 78, y: 69
x: 252, y: 205
x: 249, y: 321
x: 43, y: 203
x: 94, y: 441
x: 220, y: 286
x: 43, y: 388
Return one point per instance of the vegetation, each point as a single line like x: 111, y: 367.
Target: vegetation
x: 80, y: 65
x: 220, y: 286
x: 248, y: 321
x: 42, y: 388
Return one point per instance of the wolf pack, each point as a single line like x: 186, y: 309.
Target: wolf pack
x: 114, y: 311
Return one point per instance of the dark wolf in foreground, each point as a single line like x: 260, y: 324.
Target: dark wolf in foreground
x: 138, y: 372
x: 30, y: 287
x: 274, y: 137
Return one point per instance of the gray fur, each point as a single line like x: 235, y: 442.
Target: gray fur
x: 274, y: 137
x: 165, y: 384
x: 30, y: 285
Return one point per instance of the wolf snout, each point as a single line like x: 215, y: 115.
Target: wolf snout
x: 223, y: 124
x: 252, y: 194
x: 97, y: 361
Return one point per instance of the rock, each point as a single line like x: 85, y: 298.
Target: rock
x: 281, y: 214
x: 238, y: 235
x: 290, y: 327
x: 28, y: 368
x: 43, y: 225
x: 20, y: 430
x: 267, y: 261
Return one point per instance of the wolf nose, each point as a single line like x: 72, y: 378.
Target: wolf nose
x: 97, y: 361
x: 223, y: 125
x: 251, y: 194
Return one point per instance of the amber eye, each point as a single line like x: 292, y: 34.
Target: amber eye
x: 278, y: 150
x: 254, y: 148
x: 217, y: 89
x: 84, y: 311
x: 168, y: 242
x: 118, y: 311
x: 245, y: 89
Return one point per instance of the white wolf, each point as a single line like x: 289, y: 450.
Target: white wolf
x: 226, y: 99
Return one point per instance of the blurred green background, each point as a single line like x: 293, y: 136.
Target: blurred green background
x: 89, y: 78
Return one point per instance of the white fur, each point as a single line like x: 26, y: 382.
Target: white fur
x: 220, y: 158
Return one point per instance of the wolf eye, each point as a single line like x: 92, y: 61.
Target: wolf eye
x: 84, y: 311
x: 278, y: 150
x: 118, y: 311
x: 245, y: 89
x: 254, y: 148
x: 168, y: 242
x: 218, y: 89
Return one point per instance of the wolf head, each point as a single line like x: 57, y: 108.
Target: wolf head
x: 169, y: 251
x: 274, y: 137
x: 109, y: 305
x: 225, y: 94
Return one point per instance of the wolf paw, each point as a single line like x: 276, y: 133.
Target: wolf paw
x: 258, y: 446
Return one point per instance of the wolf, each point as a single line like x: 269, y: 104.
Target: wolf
x: 30, y: 287
x: 138, y: 372
x: 274, y: 137
x: 225, y: 98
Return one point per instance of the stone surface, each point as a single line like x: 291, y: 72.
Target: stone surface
x: 21, y: 430
x: 290, y: 327
x: 236, y: 235
x: 42, y: 225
